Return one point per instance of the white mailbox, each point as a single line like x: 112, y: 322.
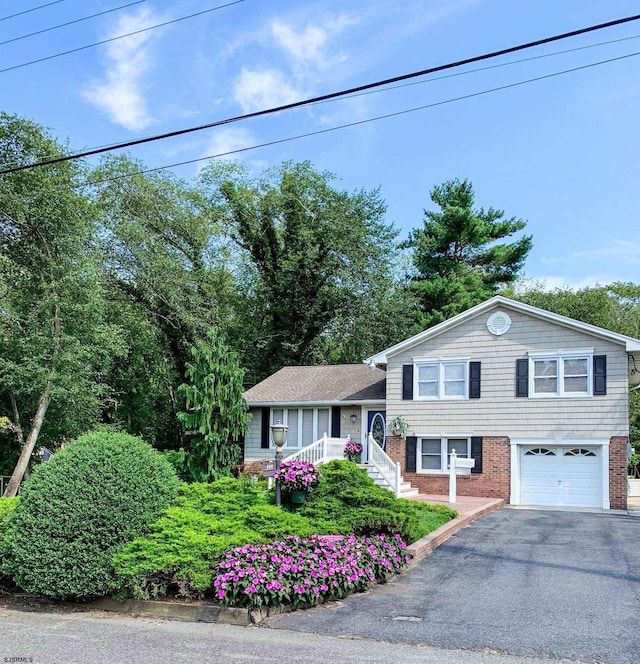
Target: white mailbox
x: 458, y: 466
x: 464, y: 465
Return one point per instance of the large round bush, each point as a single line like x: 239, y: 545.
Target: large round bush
x: 102, y: 491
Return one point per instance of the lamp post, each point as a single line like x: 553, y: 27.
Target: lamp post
x: 279, y: 438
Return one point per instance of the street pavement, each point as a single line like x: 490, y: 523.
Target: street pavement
x: 524, y: 582
x: 90, y: 638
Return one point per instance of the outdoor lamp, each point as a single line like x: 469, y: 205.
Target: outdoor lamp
x: 279, y: 434
x: 279, y: 438
x: 353, y: 417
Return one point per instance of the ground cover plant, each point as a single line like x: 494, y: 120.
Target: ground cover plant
x: 207, y: 521
x: 308, y: 571
x: 100, y: 492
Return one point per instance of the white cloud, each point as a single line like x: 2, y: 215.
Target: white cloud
x: 120, y: 92
x: 225, y: 141
x: 307, y: 47
x: 625, y: 252
x: 256, y: 90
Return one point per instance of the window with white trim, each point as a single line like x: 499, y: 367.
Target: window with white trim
x: 434, y: 453
x: 565, y: 374
x: 306, y: 425
x: 441, y: 379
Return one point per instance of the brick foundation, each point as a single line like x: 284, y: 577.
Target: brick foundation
x: 493, y: 482
x: 618, y: 472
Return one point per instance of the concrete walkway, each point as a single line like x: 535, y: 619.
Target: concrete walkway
x: 470, y: 508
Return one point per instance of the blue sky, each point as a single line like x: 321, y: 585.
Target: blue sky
x: 560, y: 153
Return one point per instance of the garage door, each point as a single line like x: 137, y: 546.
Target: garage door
x: 561, y: 476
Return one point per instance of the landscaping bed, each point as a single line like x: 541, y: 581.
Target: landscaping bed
x: 226, y: 544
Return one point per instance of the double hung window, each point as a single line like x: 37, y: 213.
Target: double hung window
x: 434, y: 453
x: 441, y: 379
x: 562, y: 374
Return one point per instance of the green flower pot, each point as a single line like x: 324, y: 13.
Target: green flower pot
x: 298, y: 497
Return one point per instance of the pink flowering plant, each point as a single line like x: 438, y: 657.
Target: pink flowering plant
x: 297, y: 475
x: 306, y: 571
x: 352, y: 451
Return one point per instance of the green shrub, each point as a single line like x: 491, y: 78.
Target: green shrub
x: 185, y: 544
x: 7, y: 505
x: 100, y: 492
x: 347, y: 501
x: 207, y: 520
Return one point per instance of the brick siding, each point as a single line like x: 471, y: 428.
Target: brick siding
x: 493, y: 482
x: 618, y: 472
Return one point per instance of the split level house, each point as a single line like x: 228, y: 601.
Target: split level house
x: 539, y: 401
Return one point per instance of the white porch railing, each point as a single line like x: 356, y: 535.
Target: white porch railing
x: 323, y: 450
x: 380, y: 460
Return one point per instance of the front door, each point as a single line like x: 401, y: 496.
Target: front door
x: 377, y: 426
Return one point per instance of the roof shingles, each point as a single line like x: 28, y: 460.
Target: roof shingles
x: 333, y: 383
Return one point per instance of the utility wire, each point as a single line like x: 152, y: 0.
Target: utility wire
x: 77, y: 20
x: 33, y: 9
x: 129, y: 34
x: 487, y: 68
x: 90, y: 183
x: 438, y: 78
x: 325, y: 97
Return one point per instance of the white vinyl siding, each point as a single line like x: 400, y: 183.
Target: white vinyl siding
x: 498, y: 411
x: 440, y: 379
x: 434, y: 453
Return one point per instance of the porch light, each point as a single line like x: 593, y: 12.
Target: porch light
x: 353, y: 417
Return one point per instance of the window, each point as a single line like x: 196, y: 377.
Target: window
x: 306, y: 425
x: 441, y: 379
x: 559, y: 375
x: 433, y: 453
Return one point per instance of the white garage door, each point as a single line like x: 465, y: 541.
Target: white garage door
x: 561, y: 476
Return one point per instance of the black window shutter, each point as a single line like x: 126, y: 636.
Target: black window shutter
x: 266, y: 421
x: 410, y: 454
x: 522, y: 378
x: 335, y: 421
x: 599, y: 375
x: 407, y: 381
x: 476, y: 453
x: 474, y: 380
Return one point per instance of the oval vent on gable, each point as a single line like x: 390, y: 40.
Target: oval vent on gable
x: 499, y: 323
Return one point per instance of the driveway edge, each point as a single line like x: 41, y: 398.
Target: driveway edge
x: 425, y: 546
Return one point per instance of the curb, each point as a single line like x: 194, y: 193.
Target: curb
x: 191, y: 612
x: 425, y: 546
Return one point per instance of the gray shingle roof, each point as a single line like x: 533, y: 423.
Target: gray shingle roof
x: 333, y: 383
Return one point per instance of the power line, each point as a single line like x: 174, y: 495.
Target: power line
x: 129, y: 34
x: 489, y: 67
x: 33, y: 9
x: 325, y: 97
x: 356, y: 123
x: 439, y: 78
x: 77, y: 20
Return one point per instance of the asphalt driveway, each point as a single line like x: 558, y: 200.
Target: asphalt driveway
x: 556, y: 584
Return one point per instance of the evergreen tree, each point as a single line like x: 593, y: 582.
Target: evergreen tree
x: 457, y: 258
x: 216, y: 413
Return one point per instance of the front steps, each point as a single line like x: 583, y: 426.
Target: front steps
x: 406, y: 490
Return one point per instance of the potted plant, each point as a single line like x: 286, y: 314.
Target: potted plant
x: 399, y: 426
x: 297, y: 478
x: 352, y: 451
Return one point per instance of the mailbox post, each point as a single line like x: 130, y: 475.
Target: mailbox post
x: 460, y: 465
